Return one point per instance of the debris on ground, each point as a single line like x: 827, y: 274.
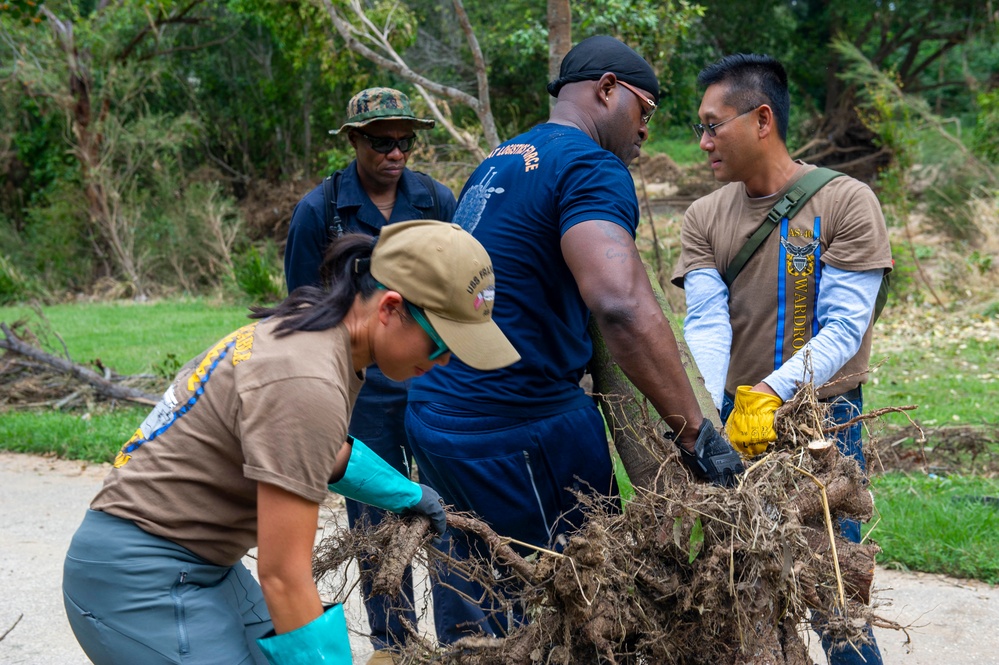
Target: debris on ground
x: 689, y: 573
x: 32, y: 378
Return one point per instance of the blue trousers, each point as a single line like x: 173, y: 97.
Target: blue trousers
x: 850, y: 443
x: 378, y: 420
x: 516, y: 474
x: 132, y: 597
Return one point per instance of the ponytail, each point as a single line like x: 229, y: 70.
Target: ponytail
x: 346, y: 271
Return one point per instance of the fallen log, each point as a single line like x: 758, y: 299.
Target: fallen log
x: 108, y: 388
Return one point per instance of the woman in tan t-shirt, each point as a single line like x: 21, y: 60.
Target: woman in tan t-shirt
x: 247, y: 442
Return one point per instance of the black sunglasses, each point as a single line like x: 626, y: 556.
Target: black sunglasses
x: 385, y: 145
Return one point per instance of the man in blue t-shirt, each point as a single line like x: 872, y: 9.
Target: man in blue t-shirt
x: 556, y: 209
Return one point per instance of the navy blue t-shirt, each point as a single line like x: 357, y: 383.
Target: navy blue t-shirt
x: 518, y: 203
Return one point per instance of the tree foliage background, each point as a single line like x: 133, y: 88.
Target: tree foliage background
x: 134, y: 132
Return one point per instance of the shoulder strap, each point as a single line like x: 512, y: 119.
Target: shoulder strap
x: 331, y: 191
x: 883, y: 291
x: 428, y: 182
x: 787, y: 207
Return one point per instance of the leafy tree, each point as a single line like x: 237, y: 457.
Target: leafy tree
x: 95, y: 70
x: 380, y: 32
x: 501, y: 59
x: 908, y: 39
x: 272, y: 85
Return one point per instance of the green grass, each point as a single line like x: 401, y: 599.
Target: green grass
x: 129, y: 338
x: 936, y: 524
x: 953, y: 383
x: 678, y: 142
x: 92, y: 435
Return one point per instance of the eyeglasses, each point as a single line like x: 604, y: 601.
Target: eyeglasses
x: 646, y: 115
x: 417, y: 314
x: 385, y: 145
x: 712, y: 127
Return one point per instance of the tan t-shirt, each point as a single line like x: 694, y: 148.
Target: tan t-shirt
x: 774, y: 295
x: 253, y: 408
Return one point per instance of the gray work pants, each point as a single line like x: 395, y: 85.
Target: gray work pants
x: 132, y: 597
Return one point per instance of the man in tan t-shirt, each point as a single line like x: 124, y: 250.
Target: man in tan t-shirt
x: 801, y: 308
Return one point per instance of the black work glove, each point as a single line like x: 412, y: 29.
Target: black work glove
x: 713, y: 459
x: 431, y: 505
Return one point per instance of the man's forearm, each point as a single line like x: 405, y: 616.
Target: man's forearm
x: 643, y: 345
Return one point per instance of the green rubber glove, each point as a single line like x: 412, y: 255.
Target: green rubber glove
x: 751, y: 425
x: 371, y: 480
x: 322, y: 640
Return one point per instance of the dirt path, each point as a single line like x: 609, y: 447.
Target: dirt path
x: 43, y: 500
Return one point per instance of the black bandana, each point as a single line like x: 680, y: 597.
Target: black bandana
x: 595, y: 56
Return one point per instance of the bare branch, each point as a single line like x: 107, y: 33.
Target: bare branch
x: 485, y: 113
x: 499, y: 546
x: 12, y: 627
x: 104, y: 386
x: 193, y: 47
x: 873, y: 415
x: 155, y: 24
x: 388, y: 58
x: 394, y: 63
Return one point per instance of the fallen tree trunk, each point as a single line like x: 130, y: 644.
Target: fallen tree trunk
x: 10, y: 342
x: 624, y: 407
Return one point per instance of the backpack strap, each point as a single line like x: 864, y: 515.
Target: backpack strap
x: 429, y: 183
x: 331, y: 191
x: 787, y: 207
x: 883, y: 291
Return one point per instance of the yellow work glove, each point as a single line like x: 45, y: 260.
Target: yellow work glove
x: 751, y: 425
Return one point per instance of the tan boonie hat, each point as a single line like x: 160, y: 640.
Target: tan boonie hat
x: 374, y: 104
x: 442, y: 269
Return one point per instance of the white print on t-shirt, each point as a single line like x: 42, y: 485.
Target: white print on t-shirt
x: 473, y: 202
x: 161, y: 414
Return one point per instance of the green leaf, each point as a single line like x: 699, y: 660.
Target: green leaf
x: 696, y: 540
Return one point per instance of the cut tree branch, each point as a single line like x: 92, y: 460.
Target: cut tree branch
x: 113, y: 390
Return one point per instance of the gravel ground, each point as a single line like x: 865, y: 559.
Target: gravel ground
x: 43, y: 500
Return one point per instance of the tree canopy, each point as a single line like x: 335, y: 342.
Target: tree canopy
x: 131, y: 127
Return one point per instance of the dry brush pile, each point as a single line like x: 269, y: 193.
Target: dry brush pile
x: 687, y: 573
x: 33, y: 378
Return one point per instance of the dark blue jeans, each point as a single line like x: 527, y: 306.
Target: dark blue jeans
x: 378, y: 420
x: 850, y: 443
x: 516, y: 474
